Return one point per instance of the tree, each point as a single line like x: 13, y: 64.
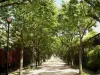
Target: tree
x: 75, y: 14
x: 32, y: 28
x: 82, y: 23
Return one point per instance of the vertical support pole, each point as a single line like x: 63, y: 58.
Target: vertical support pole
x: 7, y: 50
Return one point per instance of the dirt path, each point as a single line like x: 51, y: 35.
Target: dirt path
x: 54, y: 66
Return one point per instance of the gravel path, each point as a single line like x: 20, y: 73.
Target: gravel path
x: 54, y: 66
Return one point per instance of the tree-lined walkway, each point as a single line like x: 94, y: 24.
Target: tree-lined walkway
x: 54, y: 66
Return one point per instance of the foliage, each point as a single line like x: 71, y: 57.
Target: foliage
x: 37, y: 25
x: 89, y: 35
x: 43, y: 30
x: 93, y: 57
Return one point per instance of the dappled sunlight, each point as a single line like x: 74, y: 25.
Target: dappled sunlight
x: 53, y: 66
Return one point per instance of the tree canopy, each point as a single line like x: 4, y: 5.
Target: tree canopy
x: 41, y: 29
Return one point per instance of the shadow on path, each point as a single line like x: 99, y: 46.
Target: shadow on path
x: 54, y: 66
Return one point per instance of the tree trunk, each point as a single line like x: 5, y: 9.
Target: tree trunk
x: 68, y: 57
x: 21, y: 62
x: 21, y: 54
x: 72, y: 62
x: 44, y: 60
x: 38, y: 55
x: 36, y: 63
x: 80, y: 57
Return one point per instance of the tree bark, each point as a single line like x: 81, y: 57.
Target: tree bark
x: 80, y: 57
x: 21, y: 53
x: 72, y: 62
x: 38, y: 55
x: 21, y: 62
x: 36, y: 63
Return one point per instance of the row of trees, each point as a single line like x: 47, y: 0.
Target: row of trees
x: 31, y: 29
x: 75, y: 20
x: 45, y: 30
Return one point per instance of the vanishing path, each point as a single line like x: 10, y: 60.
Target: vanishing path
x: 54, y: 66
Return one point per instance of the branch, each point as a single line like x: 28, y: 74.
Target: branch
x: 88, y: 26
x: 94, y: 16
x: 94, y: 3
x: 87, y: 1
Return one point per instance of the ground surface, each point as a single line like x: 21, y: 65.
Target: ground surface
x: 54, y: 66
